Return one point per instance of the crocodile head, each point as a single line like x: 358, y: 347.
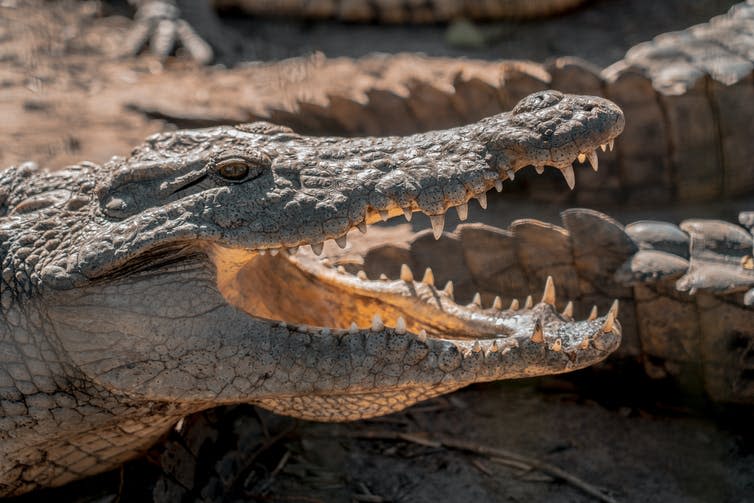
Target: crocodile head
x: 183, y: 280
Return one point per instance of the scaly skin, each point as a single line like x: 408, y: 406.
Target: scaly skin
x: 390, y: 11
x: 160, y: 22
x: 159, y: 285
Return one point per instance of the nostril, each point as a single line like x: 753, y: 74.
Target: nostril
x: 588, y: 108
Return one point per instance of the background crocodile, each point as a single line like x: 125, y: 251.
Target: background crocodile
x: 161, y: 22
x: 165, y: 283
x: 401, y: 12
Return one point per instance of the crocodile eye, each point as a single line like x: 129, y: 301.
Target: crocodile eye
x: 234, y: 170
x: 239, y: 167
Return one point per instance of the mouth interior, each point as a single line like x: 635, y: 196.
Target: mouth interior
x: 304, y: 290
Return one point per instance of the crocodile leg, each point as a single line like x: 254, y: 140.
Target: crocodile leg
x: 161, y: 25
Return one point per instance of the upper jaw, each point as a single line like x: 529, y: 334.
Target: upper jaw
x: 350, y: 183
x: 584, y: 125
x: 487, y: 180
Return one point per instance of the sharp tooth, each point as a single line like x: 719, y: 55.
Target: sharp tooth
x: 377, y: 324
x: 262, y: 252
x: 274, y: 251
x: 325, y: 331
x: 570, y: 178
x: 568, y: 311
x: 604, y: 147
x: 747, y: 262
x: 463, y: 211
x: 384, y: 215
x: 476, y: 348
x: 557, y: 345
x: 362, y: 226
x: 438, y: 224
x: 538, y: 336
x: 383, y: 277
x: 341, y: 269
x: 582, y: 158
x: 342, y: 241
x: 610, y: 145
x: 548, y: 297
x: 400, y: 325
x: 494, y: 348
x: 429, y: 277
x: 353, y: 328
x: 514, y: 305
x: 592, y: 156
x: 362, y: 275
x: 482, y: 198
x: 448, y: 289
x: 592, y: 314
x: 611, y: 315
x: 529, y: 302
x: 406, y: 274
x: 477, y: 300
x: 511, y: 174
x: 497, y: 303
x: 317, y: 248
x: 584, y: 344
x: 540, y: 169
x: 293, y: 250
x: 422, y: 336
x: 499, y: 185
x: 407, y: 213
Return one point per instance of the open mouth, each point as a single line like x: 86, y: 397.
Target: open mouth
x: 295, y: 287
x: 308, y: 339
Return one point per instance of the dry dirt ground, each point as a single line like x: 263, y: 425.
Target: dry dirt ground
x: 632, y: 438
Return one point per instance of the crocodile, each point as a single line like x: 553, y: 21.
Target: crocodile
x: 167, y: 282
x: 160, y: 23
